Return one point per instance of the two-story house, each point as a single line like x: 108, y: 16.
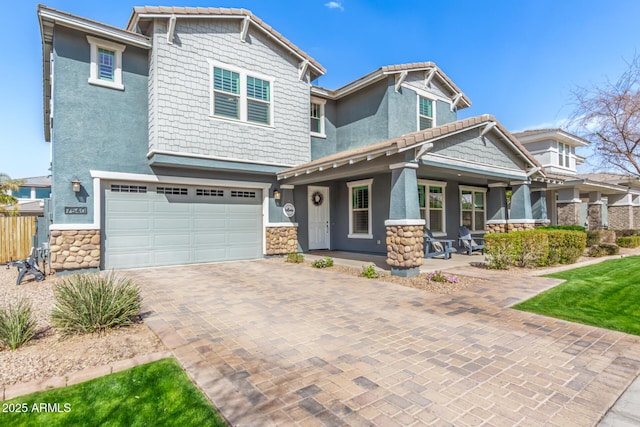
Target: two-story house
x: 197, y: 135
x: 592, y: 200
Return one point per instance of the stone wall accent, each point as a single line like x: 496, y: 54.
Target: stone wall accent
x: 594, y: 216
x: 620, y: 217
x: 74, y: 249
x: 569, y: 214
x: 496, y: 228
x: 282, y: 240
x: 636, y: 217
x: 405, y: 246
x: 505, y: 228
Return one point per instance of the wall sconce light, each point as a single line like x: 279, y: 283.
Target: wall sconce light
x: 276, y: 195
x: 75, y: 185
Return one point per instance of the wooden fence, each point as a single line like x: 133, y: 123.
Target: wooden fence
x: 16, y: 234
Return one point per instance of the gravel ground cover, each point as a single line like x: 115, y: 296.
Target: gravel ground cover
x: 48, y: 354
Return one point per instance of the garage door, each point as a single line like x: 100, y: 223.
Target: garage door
x: 155, y: 225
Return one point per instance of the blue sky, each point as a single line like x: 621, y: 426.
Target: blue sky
x: 515, y: 59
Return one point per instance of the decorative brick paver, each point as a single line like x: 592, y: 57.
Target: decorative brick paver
x: 279, y: 344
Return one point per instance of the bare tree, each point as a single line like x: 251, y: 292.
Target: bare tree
x: 609, y: 117
x: 6, y: 199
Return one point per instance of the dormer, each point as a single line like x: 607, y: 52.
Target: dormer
x: 555, y: 149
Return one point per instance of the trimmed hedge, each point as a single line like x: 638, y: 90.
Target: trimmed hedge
x: 595, y: 237
x: 603, y: 249
x: 534, y: 248
x: 562, y: 227
x: 629, y: 241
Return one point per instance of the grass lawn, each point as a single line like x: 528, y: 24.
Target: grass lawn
x: 155, y: 394
x: 605, y: 295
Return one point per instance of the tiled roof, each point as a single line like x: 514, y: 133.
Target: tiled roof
x: 558, y: 133
x: 410, y: 139
x: 36, y: 181
x: 221, y: 11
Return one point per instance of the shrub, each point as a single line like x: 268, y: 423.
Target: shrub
x: 629, y: 241
x: 501, y: 250
x: 626, y: 233
x: 595, y: 237
x: 565, y: 246
x: 369, y: 271
x: 93, y: 303
x: 17, y: 325
x: 295, y: 258
x: 440, y: 277
x: 603, y: 249
x: 562, y: 227
x: 323, y: 262
x: 532, y: 248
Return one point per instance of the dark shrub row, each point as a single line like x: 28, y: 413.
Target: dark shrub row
x: 628, y: 241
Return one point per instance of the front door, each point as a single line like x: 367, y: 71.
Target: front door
x: 318, y: 201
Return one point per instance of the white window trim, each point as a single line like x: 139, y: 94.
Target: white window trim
x: 351, y: 185
x: 243, y: 93
x: 567, y: 156
x: 321, y: 102
x: 117, y: 48
x: 473, y: 211
x: 434, y: 106
x: 427, y: 183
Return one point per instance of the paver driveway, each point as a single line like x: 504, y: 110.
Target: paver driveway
x: 275, y: 343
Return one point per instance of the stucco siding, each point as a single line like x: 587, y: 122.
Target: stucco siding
x: 417, y: 79
x: 321, y: 147
x: 95, y: 127
x: 403, y: 110
x: 470, y: 146
x: 183, y: 74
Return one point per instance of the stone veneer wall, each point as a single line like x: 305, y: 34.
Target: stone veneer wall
x: 569, y: 214
x: 620, y: 217
x: 74, y: 249
x: 594, y: 216
x: 505, y: 228
x: 282, y: 240
x: 636, y: 217
x: 405, y: 245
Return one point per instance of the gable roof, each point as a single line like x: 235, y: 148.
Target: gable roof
x: 557, y: 134
x: 408, y: 142
x: 150, y: 12
x: 387, y: 70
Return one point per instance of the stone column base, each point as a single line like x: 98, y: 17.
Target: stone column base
x: 636, y: 217
x: 620, y: 217
x: 594, y: 216
x: 569, y: 213
x: 282, y: 240
x: 496, y: 227
x: 517, y: 226
x: 74, y: 249
x: 405, y: 248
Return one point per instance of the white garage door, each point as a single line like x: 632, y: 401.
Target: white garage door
x: 152, y: 225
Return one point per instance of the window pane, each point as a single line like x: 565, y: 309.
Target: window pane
x: 426, y: 107
x: 425, y: 123
x: 43, y: 193
x: 226, y: 81
x: 105, y: 64
x: 22, y: 193
x: 226, y: 105
x: 435, y: 197
x: 257, y: 112
x: 479, y: 200
x: 361, y: 222
x: 479, y: 217
x: 466, y: 219
x: 258, y: 89
x: 421, y: 196
x: 435, y: 220
x: 466, y: 200
x: 360, y: 198
x: 315, y: 125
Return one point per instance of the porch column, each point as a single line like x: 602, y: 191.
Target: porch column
x: 620, y: 211
x: 568, y: 205
x: 521, y: 215
x: 594, y: 211
x: 497, y: 208
x: 405, y: 228
x: 636, y: 211
x: 539, y: 206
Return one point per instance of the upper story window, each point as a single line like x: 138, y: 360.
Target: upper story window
x: 431, y: 199
x: 425, y: 113
x: 360, y: 209
x: 564, y: 155
x: 106, y: 63
x: 240, y: 95
x: 472, y: 208
x: 317, y: 117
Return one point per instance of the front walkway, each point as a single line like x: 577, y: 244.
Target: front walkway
x: 286, y: 344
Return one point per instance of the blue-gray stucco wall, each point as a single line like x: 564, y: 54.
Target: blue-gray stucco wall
x: 321, y: 147
x: 94, y: 127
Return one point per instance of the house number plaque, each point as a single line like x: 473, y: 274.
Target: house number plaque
x: 75, y: 210
x: 289, y: 210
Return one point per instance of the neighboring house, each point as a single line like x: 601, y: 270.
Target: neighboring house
x: 31, y: 195
x: 196, y: 135
x: 593, y: 200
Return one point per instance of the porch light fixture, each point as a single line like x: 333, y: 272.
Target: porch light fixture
x: 75, y: 185
x: 276, y: 194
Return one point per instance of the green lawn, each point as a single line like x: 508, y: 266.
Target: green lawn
x: 155, y: 394
x: 605, y: 295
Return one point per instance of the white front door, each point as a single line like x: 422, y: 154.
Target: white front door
x: 318, y: 201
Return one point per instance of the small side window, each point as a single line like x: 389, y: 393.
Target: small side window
x: 106, y: 63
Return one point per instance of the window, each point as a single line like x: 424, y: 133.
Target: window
x: 317, y: 117
x: 43, y: 193
x: 564, y: 152
x: 431, y: 199
x: 472, y: 208
x: 245, y: 194
x: 106, y: 63
x: 239, y: 95
x: 209, y: 192
x: 22, y: 193
x: 360, y: 209
x: 181, y: 191
x: 121, y: 188
x: 425, y: 113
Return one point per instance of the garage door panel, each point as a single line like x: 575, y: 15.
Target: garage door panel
x: 149, y: 229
